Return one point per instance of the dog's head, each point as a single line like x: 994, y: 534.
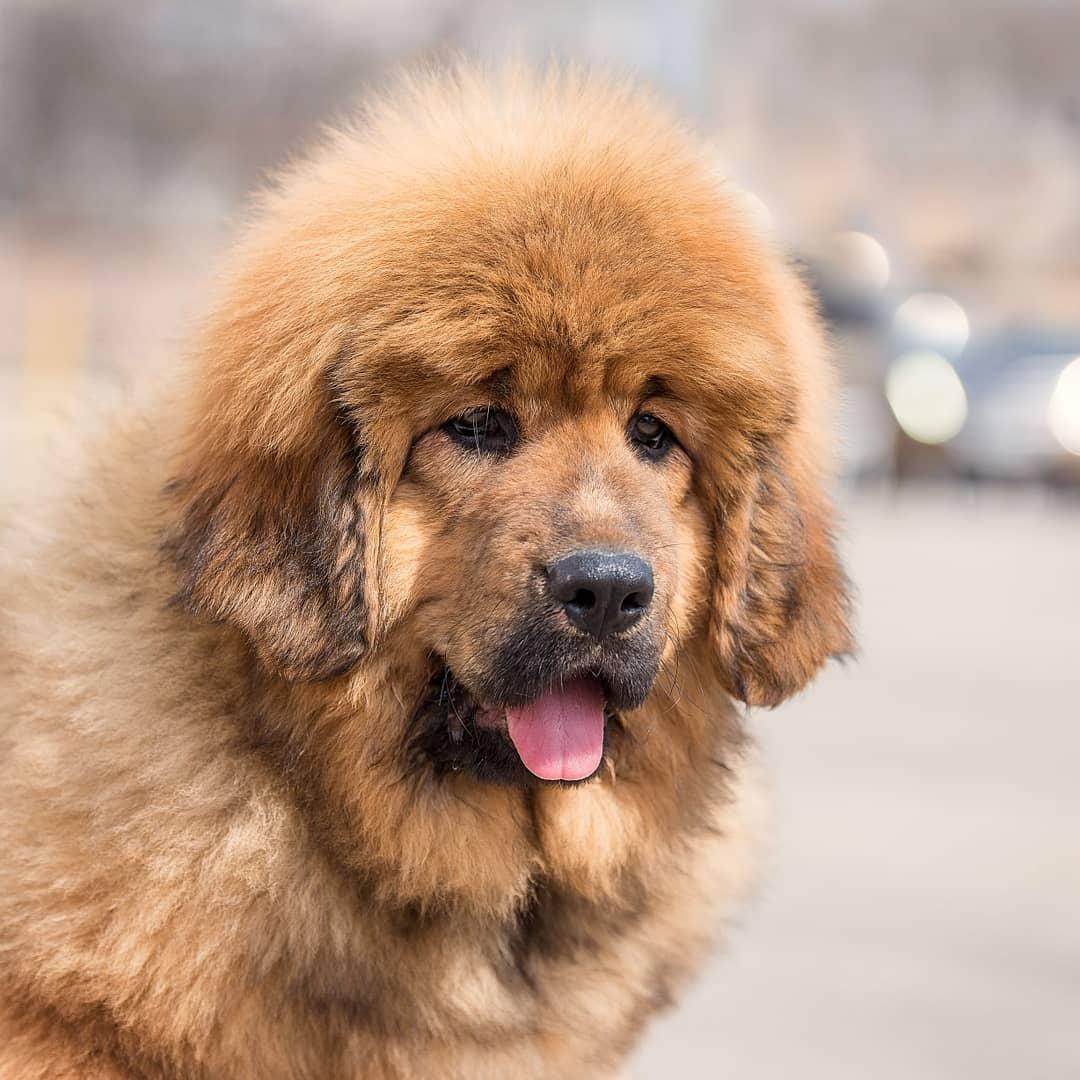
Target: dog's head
x: 514, y: 389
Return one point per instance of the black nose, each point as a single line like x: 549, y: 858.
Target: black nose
x: 602, y: 592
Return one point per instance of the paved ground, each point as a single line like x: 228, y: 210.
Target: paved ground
x: 922, y: 918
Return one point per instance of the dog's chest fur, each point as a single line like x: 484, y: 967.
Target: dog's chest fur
x: 561, y: 986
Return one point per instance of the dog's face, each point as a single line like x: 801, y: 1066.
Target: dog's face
x: 543, y: 428
x: 563, y: 550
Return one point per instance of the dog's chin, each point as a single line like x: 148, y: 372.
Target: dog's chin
x: 456, y: 730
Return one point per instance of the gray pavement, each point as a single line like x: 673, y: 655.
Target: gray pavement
x: 922, y: 914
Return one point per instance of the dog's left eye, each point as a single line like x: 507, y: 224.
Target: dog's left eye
x: 487, y: 430
x: 651, y: 437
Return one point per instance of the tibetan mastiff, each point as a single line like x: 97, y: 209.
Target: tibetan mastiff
x: 370, y: 697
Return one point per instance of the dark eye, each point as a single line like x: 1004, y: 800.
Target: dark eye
x: 486, y: 430
x: 652, y: 438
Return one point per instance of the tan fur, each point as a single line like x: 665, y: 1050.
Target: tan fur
x: 217, y: 857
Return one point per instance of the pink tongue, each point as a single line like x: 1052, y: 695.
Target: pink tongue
x: 560, y: 736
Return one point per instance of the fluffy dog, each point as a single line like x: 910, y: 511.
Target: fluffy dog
x: 369, y: 701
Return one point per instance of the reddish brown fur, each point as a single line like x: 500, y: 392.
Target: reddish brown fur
x: 218, y: 857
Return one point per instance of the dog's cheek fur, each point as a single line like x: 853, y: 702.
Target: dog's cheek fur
x: 406, y: 549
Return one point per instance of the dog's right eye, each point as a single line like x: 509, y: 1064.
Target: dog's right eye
x: 486, y: 430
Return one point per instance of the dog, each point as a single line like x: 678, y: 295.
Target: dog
x: 372, y: 694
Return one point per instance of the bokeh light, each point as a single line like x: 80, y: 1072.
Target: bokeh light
x: 1064, y: 411
x: 926, y: 396
x: 858, y: 260
x: 932, y: 320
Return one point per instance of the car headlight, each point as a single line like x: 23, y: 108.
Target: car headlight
x: 1063, y: 413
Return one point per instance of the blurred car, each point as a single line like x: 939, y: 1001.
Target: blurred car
x: 849, y: 273
x: 1023, y: 421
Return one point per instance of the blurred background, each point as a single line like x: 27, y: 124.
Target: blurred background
x: 922, y: 161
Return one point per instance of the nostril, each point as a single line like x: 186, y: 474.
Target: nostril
x: 632, y: 603
x: 584, y: 599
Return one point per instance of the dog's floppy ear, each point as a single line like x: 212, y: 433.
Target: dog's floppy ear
x: 274, y: 543
x: 781, y: 606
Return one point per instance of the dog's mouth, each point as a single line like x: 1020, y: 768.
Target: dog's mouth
x: 560, y: 735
